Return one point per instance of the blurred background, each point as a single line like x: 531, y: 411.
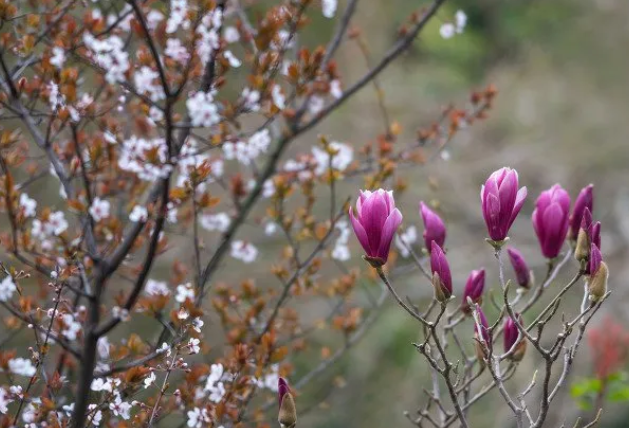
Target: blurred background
x: 561, y: 69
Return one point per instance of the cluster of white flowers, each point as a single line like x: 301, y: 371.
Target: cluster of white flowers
x: 120, y: 408
x: 185, y: 292
x: 153, y: 18
x: 5, y: 400
x: 202, y: 110
x: 408, y: 237
x: 110, y: 54
x: 147, y: 81
x: 340, y: 160
x: 450, y: 29
x: 250, y: 99
x: 54, y: 226
x: 139, y: 214
x: 215, y: 222
x: 270, y: 380
x: 105, y: 384
x: 198, y: 418
x: 209, y: 40
x: 244, y: 251
x: 133, y: 158
x: 156, y: 288
x: 99, y: 209
x: 214, y: 385
x: 28, y: 205
x: 58, y: 57
x: 329, y: 8
x: 178, y: 16
x: 71, y: 327
x: 341, y: 250
x: 177, y: 51
x: 22, y: 367
x: 245, y: 153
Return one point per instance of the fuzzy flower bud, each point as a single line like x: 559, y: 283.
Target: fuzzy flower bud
x: 582, y: 247
x: 474, y: 288
x: 288, y: 413
x: 523, y: 274
x: 550, y: 220
x: 375, y: 224
x: 501, y: 202
x: 434, y: 229
x: 441, y: 276
x: 598, y: 274
x: 511, y: 336
x: 583, y: 201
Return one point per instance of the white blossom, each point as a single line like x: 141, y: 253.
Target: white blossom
x: 177, y: 16
x: 102, y: 347
x: 139, y: 214
x: 198, y: 418
x: 176, y: 50
x: 71, y: 327
x: 231, y: 34
x: 133, y: 158
x: 251, y: 99
x: 408, y: 237
x: 58, y: 57
x: 5, y: 400
x: 460, y: 20
x: 202, y: 110
x: 156, y: 114
x: 22, y: 367
x: 447, y: 30
x: 194, y: 345
x: 329, y: 8
x: 215, y: 222
x: 147, y: 81
x: 244, y: 251
x: 316, y: 104
x: 28, y: 205
x: 153, y: 18
x: 231, y: 58
x: 120, y: 408
x: 343, y: 157
x: 149, y: 380
x: 96, y: 417
x: 111, y: 54
x: 7, y: 288
x: 99, y: 209
x: 278, y: 97
x: 184, y: 291
x: 213, y: 384
x: 156, y: 288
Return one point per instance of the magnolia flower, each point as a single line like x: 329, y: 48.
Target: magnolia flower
x: 441, y: 276
x: 589, y: 233
x: 523, y: 274
x: 584, y: 200
x: 550, y: 220
x: 434, y: 229
x: 474, y: 288
x: 375, y: 224
x: 501, y: 202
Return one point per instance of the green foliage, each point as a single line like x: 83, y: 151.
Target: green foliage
x: 614, y: 389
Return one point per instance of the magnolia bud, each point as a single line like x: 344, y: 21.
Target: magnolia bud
x: 288, y: 413
x: 582, y: 247
x: 597, y: 285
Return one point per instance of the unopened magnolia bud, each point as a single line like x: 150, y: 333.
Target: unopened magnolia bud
x: 582, y: 248
x: 288, y: 413
x: 597, y: 285
x: 441, y: 275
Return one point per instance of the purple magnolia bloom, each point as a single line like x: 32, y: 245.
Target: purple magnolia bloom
x: 596, y: 258
x: 441, y: 276
x: 595, y: 236
x: 473, y: 289
x: 589, y: 233
x: 282, y: 389
x: 376, y: 222
x: 434, y: 229
x: 501, y: 202
x: 584, y: 200
x: 522, y: 272
x: 511, y: 335
x: 550, y: 219
x: 482, y: 327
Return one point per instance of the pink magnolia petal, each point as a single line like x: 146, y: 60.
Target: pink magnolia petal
x: 360, y: 232
x: 388, y: 231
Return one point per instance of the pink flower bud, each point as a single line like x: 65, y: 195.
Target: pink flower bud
x: 501, y: 202
x: 584, y: 200
x: 474, y: 288
x: 550, y: 220
x: 442, y: 278
x: 511, y: 335
x: 434, y: 229
x: 375, y: 224
x: 282, y: 389
x: 589, y: 234
x: 523, y: 274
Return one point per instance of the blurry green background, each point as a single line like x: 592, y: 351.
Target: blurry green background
x: 561, y: 115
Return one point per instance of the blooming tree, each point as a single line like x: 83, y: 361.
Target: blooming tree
x: 149, y: 151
